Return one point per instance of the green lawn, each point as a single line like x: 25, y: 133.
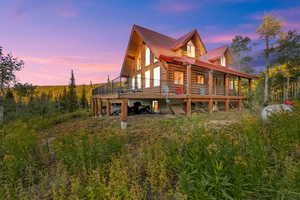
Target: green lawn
x: 75, y: 156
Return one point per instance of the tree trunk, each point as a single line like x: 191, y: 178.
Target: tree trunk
x: 266, y: 91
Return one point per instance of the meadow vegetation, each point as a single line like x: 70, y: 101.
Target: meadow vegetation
x: 74, y: 156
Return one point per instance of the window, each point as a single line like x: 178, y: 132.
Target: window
x: 139, y: 81
x: 156, y: 72
x: 223, y: 61
x: 147, y: 79
x: 148, y: 57
x: 133, y: 83
x: 138, y: 63
x: 200, y: 79
x: 155, y: 106
x: 178, y: 78
x: 155, y: 60
x: 191, y: 51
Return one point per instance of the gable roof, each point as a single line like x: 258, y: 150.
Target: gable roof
x: 214, y: 54
x: 164, y: 47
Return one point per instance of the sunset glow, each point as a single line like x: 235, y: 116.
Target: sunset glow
x: 90, y: 37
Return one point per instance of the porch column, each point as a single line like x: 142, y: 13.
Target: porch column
x: 250, y: 85
x: 210, y: 106
x: 226, y: 85
x: 189, y: 107
x: 226, y: 105
x: 189, y: 79
x: 99, y: 107
x: 108, y: 108
x: 124, y: 114
x: 93, y: 106
x: 96, y: 107
x: 210, y: 83
x: 239, y: 86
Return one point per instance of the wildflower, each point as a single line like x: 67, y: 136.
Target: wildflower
x: 212, y: 148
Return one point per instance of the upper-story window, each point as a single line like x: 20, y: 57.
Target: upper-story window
x: 155, y: 60
x: 147, y: 57
x: 147, y: 79
x: 191, y: 50
x: 223, y: 61
x: 178, y: 77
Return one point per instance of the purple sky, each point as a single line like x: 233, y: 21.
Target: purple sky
x: 90, y: 36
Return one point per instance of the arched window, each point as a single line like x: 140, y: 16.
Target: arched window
x: 191, y: 50
x: 148, y: 57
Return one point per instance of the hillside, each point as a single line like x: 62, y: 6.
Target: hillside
x: 57, y: 90
x: 221, y: 156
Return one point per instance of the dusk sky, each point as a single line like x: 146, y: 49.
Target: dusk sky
x: 90, y: 36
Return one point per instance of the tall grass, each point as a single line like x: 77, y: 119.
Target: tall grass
x: 156, y: 159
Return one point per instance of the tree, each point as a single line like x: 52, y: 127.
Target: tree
x: 72, y: 96
x: 83, y: 99
x: 24, y: 90
x: 268, y: 30
x: 240, y: 47
x: 287, y: 54
x: 8, y: 66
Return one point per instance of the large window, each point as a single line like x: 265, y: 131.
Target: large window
x: 133, y: 83
x: 191, y: 50
x: 156, y: 73
x: 231, y: 84
x: 200, y: 79
x: 178, y: 77
x: 147, y: 57
x: 223, y: 61
x: 139, y: 81
x: 147, y: 79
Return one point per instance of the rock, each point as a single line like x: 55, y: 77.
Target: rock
x: 276, y: 108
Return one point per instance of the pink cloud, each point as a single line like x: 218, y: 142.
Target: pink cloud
x: 285, y: 13
x: 226, y: 38
x: 176, y: 6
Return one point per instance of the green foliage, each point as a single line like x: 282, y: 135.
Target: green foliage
x: 71, y: 95
x: 72, y: 157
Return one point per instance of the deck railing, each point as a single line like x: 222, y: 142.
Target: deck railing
x: 123, y: 86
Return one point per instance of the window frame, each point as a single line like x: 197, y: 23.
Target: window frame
x: 223, y: 61
x: 203, y: 79
x: 139, y: 81
x: 191, y: 49
x: 133, y: 83
x: 147, y: 78
x: 177, y: 81
x: 156, y: 80
x: 147, y: 56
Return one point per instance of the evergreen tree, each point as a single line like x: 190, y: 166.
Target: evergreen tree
x: 63, y: 101
x: 83, y: 99
x: 72, y: 96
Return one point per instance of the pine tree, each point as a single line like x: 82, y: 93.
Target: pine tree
x: 83, y: 99
x: 72, y: 96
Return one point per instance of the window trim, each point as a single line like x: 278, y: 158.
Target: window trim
x: 148, y: 78
x: 176, y: 82
x: 156, y: 80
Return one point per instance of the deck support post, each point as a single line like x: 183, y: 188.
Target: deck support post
x: 239, y: 86
x: 226, y: 106
x: 99, y: 102
x: 239, y: 105
x: 93, y: 107
x: 124, y: 114
x: 108, y: 108
x: 96, y: 107
x: 189, y: 79
x: 210, y: 106
x: 189, y: 107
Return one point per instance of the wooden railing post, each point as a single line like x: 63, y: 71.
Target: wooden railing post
x: 250, y: 85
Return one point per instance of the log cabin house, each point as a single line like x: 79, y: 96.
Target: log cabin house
x: 164, y: 72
